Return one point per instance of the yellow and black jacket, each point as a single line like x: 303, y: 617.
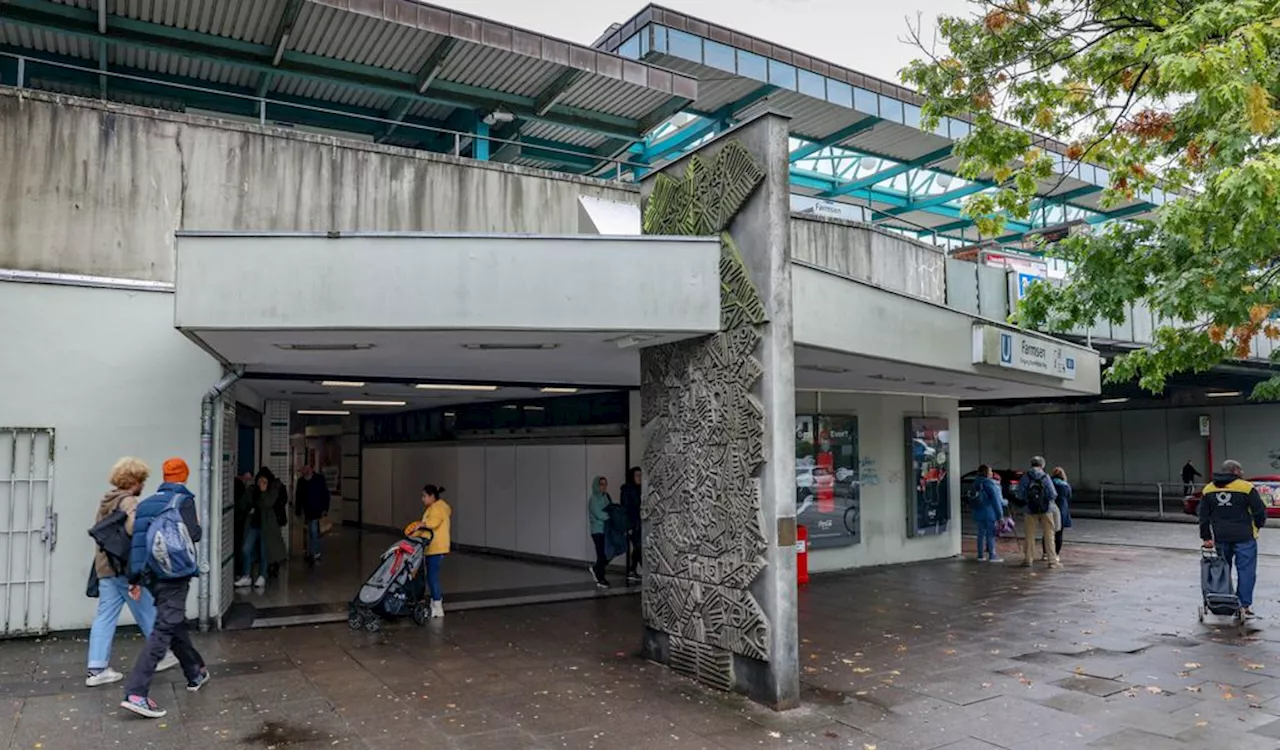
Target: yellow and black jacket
x: 1231, y: 510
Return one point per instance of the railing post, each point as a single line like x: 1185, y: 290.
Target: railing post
x: 22, y: 71
x: 1102, y: 499
x: 262, y: 112
x: 1160, y: 494
x: 457, y: 144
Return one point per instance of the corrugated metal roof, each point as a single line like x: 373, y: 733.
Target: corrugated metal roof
x: 497, y: 70
x: 336, y: 93
x: 247, y: 20
x: 357, y: 38
x: 44, y: 41
x: 567, y: 136
x: 176, y: 65
x: 621, y: 98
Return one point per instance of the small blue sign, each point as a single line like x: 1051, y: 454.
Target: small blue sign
x: 1006, y: 348
x: 1071, y: 364
x: 1024, y: 281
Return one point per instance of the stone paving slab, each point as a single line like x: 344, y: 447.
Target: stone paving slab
x: 1105, y: 653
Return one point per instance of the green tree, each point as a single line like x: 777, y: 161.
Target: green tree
x: 1176, y: 94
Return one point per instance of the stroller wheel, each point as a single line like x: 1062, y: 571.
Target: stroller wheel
x: 355, y: 620
x: 421, y: 613
x: 373, y: 624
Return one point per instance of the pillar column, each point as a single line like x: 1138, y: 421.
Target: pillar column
x: 719, y: 421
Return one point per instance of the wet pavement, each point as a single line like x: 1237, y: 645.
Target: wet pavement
x: 1105, y: 653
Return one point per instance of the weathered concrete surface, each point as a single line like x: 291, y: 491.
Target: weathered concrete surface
x: 1105, y: 653
x: 869, y: 254
x: 98, y: 188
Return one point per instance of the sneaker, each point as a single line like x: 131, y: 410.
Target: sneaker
x: 243, y: 582
x: 997, y: 560
x: 144, y: 707
x: 437, y: 609
x: 633, y: 578
x: 1248, y: 613
x: 317, y: 556
x: 168, y: 662
x: 1026, y: 563
x: 261, y: 582
x: 104, y: 676
x: 194, y: 686
x: 602, y: 583
x: 980, y: 558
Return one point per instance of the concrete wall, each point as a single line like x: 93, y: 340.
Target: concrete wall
x: 99, y: 189
x: 882, y: 442
x: 862, y: 252
x: 1131, y: 446
x: 108, y: 372
x: 526, y: 497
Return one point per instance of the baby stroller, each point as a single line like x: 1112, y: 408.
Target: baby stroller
x: 1218, y: 594
x: 396, y: 587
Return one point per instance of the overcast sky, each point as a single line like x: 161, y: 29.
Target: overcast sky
x: 865, y: 35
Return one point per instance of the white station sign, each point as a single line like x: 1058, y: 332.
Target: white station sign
x: 1014, y: 350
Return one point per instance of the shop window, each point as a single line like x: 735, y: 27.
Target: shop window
x: 753, y: 66
x: 829, y: 479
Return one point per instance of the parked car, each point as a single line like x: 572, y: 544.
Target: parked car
x: 1008, y: 479
x: 1268, y: 487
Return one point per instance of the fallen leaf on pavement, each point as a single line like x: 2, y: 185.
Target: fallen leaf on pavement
x: 1154, y: 690
x: 1191, y: 665
x: 1193, y: 689
x: 1256, y: 667
x: 1202, y: 723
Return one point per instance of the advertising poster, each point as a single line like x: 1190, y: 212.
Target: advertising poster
x: 928, y: 491
x: 828, y: 497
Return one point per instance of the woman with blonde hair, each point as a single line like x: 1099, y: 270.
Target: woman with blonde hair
x: 1060, y: 483
x: 127, y: 478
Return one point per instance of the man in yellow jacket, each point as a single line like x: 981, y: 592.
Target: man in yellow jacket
x: 434, y: 526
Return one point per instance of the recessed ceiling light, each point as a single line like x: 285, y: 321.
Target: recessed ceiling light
x: 342, y: 383
x: 450, y: 414
x: 324, y: 412
x: 534, y: 408
x: 559, y: 390
x: 510, y: 406
x: 509, y: 347
x: 1222, y: 394
x: 454, y: 387
x: 965, y: 408
x: 372, y: 403
x: 833, y: 369
x: 323, y: 347
x: 1113, y: 400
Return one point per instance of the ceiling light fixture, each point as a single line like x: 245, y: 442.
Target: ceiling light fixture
x: 509, y: 347
x: 558, y: 390
x: 1120, y: 400
x: 450, y: 414
x: 1222, y: 394
x: 454, y: 387
x: 534, y: 408
x: 324, y: 412
x: 323, y: 347
x: 372, y: 403
x: 965, y: 408
x: 630, y: 340
x: 832, y: 369
x: 510, y: 406
x: 342, y: 383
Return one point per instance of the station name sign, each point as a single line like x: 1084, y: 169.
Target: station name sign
x: 1014, y: 350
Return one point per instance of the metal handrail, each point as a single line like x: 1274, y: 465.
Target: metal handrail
x: 262, y: 102
x: 1173, y: 488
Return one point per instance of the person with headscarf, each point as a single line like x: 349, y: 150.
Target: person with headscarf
x: 598, y: 503
x: 263, y: 507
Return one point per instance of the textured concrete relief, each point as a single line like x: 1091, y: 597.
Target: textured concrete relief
x: 705, y: 444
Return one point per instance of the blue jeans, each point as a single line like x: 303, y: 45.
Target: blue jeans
x: 433, y: 577
x: 113, y: 594
x: 986, y: 539
x: 1243, y: 556
x: 313, y: 537
x: 254, y: 549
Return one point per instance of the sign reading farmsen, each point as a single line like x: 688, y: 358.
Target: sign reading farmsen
x: 1014, y: 350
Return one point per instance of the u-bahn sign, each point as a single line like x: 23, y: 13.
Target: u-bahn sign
x: 1015, y: 350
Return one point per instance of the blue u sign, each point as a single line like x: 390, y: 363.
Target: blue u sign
x: 1006, y: 349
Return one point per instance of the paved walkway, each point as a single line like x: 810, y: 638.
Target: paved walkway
x: 1105, y: 653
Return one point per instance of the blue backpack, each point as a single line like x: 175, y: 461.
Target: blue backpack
x: 170, y: 552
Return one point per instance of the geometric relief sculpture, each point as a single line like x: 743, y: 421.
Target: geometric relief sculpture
x: 704, y: 448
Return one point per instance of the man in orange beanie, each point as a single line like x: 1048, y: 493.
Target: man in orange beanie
x: 165, y: 562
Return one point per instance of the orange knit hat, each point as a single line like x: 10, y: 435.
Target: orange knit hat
x: 176, y: 471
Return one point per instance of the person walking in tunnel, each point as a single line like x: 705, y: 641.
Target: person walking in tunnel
x: 311, y: 498
x: 630, y: 496
x: 436, y: 522
x: 263, y: 506
x: 1231, y: 514
x: 598, y: 503
x: 114, y: 521
x: 1189, y: 475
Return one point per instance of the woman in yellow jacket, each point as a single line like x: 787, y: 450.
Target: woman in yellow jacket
x: 434, y: 524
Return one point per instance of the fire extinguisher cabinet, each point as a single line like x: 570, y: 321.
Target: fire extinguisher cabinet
x: 802, y: 554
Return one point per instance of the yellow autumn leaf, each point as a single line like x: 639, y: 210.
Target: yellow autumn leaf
x: 1191, y: 665
x: 1262, y: 117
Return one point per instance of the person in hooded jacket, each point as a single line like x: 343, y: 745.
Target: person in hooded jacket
x: 598, y: 503
x: 1231, y: 514
x: 436, y: 522
x: 988, y: 508
x: 1035, y: 493
x: 127, y: 479
x: 311, y: 500
x: 1063, y: 487
x: 630, y: 496
x: 263, y: 506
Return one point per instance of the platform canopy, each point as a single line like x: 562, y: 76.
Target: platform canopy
x: 857, y: 141
x: 396, y: 71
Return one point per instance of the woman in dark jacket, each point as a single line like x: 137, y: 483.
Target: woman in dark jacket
x: 630, y: 498
x: 1063, y: 487
x: 264, y: 508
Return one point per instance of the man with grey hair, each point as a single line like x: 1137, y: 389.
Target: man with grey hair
x: 1036, y: 494
x: 1231, y: 513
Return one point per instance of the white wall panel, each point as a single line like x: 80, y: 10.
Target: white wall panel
x: 377, y: 488
x: 500, y: 497
x: 469, y: 498
x: 533, y: 499
x: 568, y: 502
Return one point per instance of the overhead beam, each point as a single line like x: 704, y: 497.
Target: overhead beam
x: 426, y: 75
x: 881, y: 176
x: 555, y: 91
x: 835, y: 138
x: 102, y: 49
x: 279, y: 43
x: 80, y: 23
x: 939, y: 199
x: 721, y: 118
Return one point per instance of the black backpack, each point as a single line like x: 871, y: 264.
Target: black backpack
x: 1037, y: 502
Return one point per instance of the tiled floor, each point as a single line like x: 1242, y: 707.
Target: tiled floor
x: 351, y: 555
x: 1105, y: 653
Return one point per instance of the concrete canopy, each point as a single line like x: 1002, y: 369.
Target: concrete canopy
x: 452, y: 309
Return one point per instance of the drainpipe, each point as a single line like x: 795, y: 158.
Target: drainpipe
x: 204, y: 501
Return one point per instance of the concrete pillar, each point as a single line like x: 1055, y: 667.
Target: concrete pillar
x: 719, y: 421
x: 480, y: 144
x: 276, y: 415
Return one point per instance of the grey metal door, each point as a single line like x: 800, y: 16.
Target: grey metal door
x: 28, y: 529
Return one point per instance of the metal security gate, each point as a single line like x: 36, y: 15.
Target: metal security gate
x: 225, y: 550
x: 28, y: 529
